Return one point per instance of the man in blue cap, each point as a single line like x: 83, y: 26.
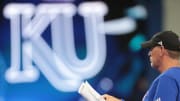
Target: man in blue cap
x: 164, y: 56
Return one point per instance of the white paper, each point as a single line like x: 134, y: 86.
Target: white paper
x: 89, y: 93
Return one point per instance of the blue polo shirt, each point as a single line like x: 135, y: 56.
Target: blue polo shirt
x: 166, y: 87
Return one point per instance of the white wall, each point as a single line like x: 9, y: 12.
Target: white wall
x: 171, y: 16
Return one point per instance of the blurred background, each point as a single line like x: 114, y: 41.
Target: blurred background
x: 125, y: 73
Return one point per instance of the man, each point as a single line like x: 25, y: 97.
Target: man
x: 164, y: 56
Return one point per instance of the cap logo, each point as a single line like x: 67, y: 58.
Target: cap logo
x: 160, y: 43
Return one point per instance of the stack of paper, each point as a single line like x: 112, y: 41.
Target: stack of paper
x: 89, y: 93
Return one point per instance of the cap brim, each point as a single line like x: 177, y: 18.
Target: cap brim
x: 148, y: 44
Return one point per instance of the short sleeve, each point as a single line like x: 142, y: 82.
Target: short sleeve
x: 166, y: 90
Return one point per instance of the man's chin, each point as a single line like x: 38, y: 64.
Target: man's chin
x: 152, y: 65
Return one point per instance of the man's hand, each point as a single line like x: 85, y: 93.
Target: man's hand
x: 110, y: 98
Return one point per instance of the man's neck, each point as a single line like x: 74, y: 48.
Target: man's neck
x: 169, y: 63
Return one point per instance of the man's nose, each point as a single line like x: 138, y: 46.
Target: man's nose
x: 149, y: 53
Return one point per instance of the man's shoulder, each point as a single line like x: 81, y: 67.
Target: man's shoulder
x: 173, y: 73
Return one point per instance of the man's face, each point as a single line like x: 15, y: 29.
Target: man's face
x: 155, y: 56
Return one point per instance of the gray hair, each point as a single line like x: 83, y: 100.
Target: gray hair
x: 174, y: 54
